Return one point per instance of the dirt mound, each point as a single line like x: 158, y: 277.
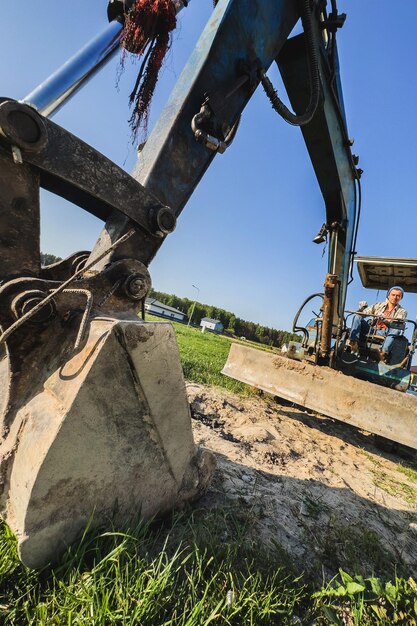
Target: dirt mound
x: 319, y: 488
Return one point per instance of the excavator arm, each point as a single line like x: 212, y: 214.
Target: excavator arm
x: 238, y: 45
x: 239, y: 39
x: 329, y: 148
x: 94, y: 417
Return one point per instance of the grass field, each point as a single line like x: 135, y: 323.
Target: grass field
x: 203, y: 356
x: 194, y: 569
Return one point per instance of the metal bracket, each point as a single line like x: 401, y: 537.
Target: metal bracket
x: 333, y: 22
x: 74, y: 170
x: 117, y: 9
x: 208, y: 125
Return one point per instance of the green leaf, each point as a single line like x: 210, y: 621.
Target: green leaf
x: 391, y: 593
x: 339, y: 591
x: 380, y: 611
x: 376, y: 586
x: 353, y: 588
x: 332, y: 615
x: 346, y: 578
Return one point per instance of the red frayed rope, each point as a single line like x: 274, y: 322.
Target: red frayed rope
x: 146, y: 33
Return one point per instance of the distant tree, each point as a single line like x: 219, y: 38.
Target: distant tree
x: 239, y: 327
x: 231, y: 325
x: 234, y: 325
x: 49, y: 259
x: 225, y: 317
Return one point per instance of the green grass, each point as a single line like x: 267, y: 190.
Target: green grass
x: 196, y: 568
x: 203, y: 356
x: 408, y: 470
x: 352, y: 546
x: 393, y: 487
x: 178, y: 572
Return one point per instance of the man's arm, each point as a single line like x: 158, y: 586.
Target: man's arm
x: 367, y: 310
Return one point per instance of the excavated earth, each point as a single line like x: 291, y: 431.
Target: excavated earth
x: 320, y: 489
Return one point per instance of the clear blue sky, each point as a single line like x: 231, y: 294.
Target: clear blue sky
x: 245, y: 236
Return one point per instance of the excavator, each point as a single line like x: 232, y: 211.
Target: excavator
x: 358, y: 389
x: 94, y: 418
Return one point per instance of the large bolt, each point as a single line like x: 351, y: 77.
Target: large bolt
x: 22, y: 126
x: 165, y: 221
x: 25, y: 125
x: 136, y: 287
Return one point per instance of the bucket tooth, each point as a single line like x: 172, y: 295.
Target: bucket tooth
x: 107, y: 440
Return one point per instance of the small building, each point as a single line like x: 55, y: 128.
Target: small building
x: 155, y: 307
x: 208, y: 324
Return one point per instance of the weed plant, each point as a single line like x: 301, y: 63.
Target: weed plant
x: 359, y: 601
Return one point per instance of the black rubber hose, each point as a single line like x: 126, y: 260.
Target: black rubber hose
x: 296, y: 328
x: 313, y: 69
x: 356, y: 228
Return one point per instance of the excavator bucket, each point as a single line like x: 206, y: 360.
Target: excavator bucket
x: 100, y: 437
x: 95, y: 427
x: 376, y: 409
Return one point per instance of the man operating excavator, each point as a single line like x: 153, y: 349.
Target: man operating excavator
x: 387, y: 321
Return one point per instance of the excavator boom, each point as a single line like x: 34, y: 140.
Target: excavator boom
x: 95, y: 423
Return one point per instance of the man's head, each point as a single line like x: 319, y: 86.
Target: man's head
x: 395, y: 294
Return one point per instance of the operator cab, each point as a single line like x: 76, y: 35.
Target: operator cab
x: 382, y: 273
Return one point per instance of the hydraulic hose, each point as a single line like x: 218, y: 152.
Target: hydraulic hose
x: 296, y: 328
x: 313, y: 69
x: 358, y: 203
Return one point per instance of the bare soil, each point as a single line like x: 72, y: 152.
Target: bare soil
x: 317, y: 487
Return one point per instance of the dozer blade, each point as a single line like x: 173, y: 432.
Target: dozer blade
x: 376, y: 409
x: 103, y: 437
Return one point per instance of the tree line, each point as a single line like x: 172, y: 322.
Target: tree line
x: 49, y: 259
x: 232, y: 324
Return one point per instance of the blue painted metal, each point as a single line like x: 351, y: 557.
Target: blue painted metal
x: 327, y: 142
x: 362, y: 367
x: 172, y: 162
x: 334, y: 110
x: 387, y: 375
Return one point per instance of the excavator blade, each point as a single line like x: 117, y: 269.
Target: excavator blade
x: 376, y: 409
x: 105, y: 437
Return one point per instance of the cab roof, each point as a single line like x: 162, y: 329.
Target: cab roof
x: 385, y: 272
